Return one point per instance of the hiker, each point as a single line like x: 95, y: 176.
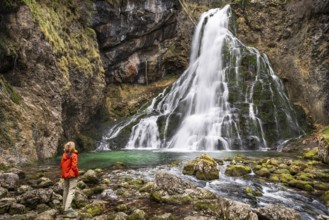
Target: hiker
x: 70, y: 173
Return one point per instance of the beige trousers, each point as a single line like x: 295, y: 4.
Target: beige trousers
x: 68, y: 192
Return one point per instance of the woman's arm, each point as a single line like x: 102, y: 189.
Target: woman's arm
x: 75, y: 165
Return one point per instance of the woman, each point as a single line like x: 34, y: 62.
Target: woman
x: 70, y: 173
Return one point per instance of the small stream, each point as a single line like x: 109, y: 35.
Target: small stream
x: 144, y: 164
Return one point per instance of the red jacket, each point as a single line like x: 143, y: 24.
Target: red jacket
x: 69, y: 165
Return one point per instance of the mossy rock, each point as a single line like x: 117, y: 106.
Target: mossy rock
x: 175, y: 200
x: 253, y: 193
x: 300, y: 184
x: 203, y: 168
x: 148, y: 187
x: 281, y: 171
x: 294, y: 169
x: 237, y: 170
x: 311, y: 154
x: 263, y: 172
x: 321, y: 186
x: 121, y: 208
x: 94, y: 209
x: 301, y: 164
x: 275, y: 178
x: 325, y: 197
x: 137, y: 215
x: 304, y: 176
x: 211, y: 206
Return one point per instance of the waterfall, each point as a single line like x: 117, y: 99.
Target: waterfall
x: 228, y: 98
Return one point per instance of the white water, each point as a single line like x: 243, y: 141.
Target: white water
x: 196, y: 114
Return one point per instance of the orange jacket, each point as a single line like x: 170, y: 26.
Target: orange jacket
x: 69, y: 165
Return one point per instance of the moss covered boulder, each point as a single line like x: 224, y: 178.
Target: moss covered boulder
x: 263, y: 172
x: 203, y: 168
x: 237, y: 170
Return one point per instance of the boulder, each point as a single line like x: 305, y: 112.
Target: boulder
x: 42, y: 208
x: 44, y: 182
x: 120, y: 216
x: 58, y: 187
x: 80, y: 199
x: 21, y: 174
x: 263, y: 172
x: 90, y: 177
x: 50, y: 214
x: 322, y: 217
x: 236, y: 210
x: 81, y: 185
x: 203, y: 167
x: 277, y: 212
x: 16, y: 208
x: 34, y: 197
x: 172, y: 189
x: 171, y: 183
x: 137, y: 215
x: 9, y: 180
x: 5, y: 204
x: 95, y: 208
x: 237, y: 170
x: 3, y: 192
x: 24, y: 188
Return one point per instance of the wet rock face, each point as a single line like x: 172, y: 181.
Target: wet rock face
x: 294, y: 36
x: 138, y: 40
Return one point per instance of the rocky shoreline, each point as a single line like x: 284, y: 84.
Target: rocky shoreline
x: 116, y: 193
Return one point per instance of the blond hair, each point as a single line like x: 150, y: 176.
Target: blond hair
x: 69, y: 146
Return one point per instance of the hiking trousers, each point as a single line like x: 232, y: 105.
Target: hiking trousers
x: 69, y: 187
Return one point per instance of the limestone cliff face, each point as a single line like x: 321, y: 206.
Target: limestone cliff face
x: 52, y: 77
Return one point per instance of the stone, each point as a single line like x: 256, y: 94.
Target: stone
x: 21, y: 174
x: 90, y: 177
x: 322, y: 217
x: 137, y: 214
x: 5, y: 204
x: 236, y: 210
x: 3, y: 192
x: 263, y: 172
x: 9, y: 180
x: 58, y: 187
x: 237, y: 170
x: 252, y: 192
x: 120, y: 216
x: 24, y: 188
x: 42, y: 208
x: 16, y: 208
x: 80, y: 200
x: 81, y: 185
x: 34, y: 197
x: 165, y: 216
x: 294, y: 169
x: 121, y: 208
x: 44, y: 182
x: 277, y: 212
x: 95, y: 208
x: 171, y: 183
x: 300, y: 184
x: 50, y: 214
x: 203, y: 168
x: 148, y: 187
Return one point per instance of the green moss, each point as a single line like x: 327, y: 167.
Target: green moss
x: 184, y: 199
x: 311, y: 154
x: 94, y: 209
x: 305, y: 176
x: 237, y: 170
x: 253, y: 193
x: 285, y: 177
x: 321, y: 186
x: 203, y: 168
x: 148, y: 187
x: 85, y: 142
x: 304, y: 185
x: 263, y: 172
x: 294, y: 169
x: 206, y: 205
x: 121, y: 208
x: 75, y: 50
x: 275, y: 178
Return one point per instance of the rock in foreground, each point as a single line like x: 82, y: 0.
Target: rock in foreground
x: 203, y: 168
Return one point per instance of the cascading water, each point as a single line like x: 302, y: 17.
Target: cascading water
x: 228, y: 98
